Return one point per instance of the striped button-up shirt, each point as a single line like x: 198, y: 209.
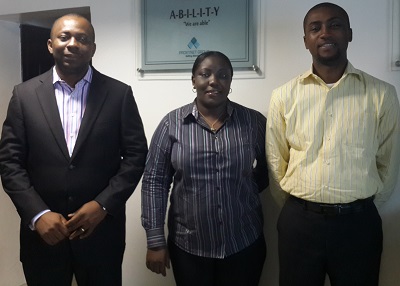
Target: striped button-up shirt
x: 334, y: 145
x: 215, y: 208
x: 71, y: 104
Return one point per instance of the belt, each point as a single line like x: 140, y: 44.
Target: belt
x: 335, y: 209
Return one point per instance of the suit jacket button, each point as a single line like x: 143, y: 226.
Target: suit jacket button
x: 71, y: 167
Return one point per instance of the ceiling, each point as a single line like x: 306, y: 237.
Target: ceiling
x: 44, y: 18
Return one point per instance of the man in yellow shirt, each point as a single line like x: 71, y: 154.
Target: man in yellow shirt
x: 333, y: 145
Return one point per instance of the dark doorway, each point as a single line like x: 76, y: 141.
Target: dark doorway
x: 35, y: 57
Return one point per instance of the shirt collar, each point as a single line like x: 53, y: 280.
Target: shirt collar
x: 349, y: 70
x: 191, y: 109
x: 87, y: 77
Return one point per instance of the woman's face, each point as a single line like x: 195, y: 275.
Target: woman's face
x: 212, y: 80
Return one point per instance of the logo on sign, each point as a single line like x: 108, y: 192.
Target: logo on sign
x: 193, y: 43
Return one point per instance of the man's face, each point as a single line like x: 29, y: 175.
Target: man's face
x: 72, y: 44
x: 327, y: 35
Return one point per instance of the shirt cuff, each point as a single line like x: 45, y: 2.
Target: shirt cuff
x: 155, y: 238
x: 35, y: 218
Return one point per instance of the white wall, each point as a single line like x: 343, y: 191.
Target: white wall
x: 10, y: 268
x: 285, y: 57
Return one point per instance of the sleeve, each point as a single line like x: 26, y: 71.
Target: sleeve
x: 277, y: 146
x: 388, y: 154
x: 133, y: 154
x: 13, y: 163
x: 261, y: 169
x: 156, y: 184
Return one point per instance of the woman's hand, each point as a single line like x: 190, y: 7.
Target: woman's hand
x: 158, y: 260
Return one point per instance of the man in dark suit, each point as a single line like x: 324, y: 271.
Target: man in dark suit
x: 72, y: 151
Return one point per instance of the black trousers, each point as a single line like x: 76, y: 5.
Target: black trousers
x: 241, y: 269
x: 347, y: 247
x: 59, y: 272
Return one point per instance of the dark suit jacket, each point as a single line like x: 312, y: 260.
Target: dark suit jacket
x: 106, y: 165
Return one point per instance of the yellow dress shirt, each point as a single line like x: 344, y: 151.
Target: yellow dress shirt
x: 334, y: 145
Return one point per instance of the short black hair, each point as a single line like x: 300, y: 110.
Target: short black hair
x: 327, y: 5
x: 75, y: 15
x: 200, y: 58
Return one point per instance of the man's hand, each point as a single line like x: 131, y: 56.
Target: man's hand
x: 51, y: 227
x: 84, y: 221
x: 158, y: 260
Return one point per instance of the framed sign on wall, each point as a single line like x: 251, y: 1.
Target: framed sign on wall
x: 395, y: 59
x: 175, y: 32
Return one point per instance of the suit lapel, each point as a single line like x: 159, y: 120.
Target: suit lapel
x: 96, y: 97
x: 48, y: 103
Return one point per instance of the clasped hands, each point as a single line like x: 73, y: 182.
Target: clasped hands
x: 53, y: 227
